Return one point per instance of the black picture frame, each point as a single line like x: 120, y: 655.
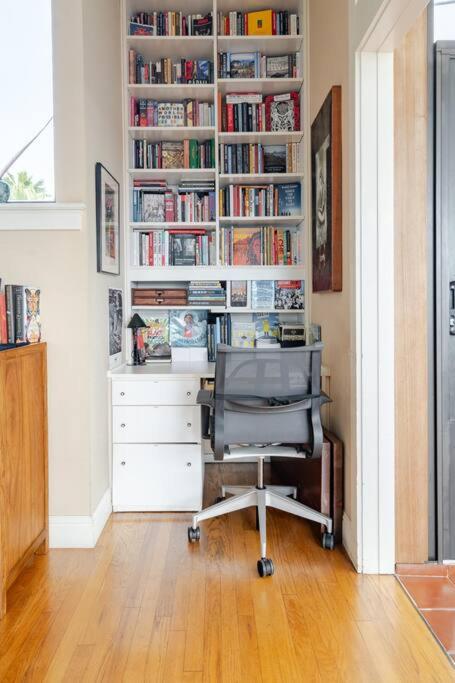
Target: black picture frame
x: 107, y: 191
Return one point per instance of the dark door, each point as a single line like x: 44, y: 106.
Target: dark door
x: 445, y: 297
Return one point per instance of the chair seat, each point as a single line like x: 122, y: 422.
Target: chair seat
x: 278, y: 451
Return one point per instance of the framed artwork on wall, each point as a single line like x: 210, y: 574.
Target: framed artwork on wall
x: 107, y: 221
x: 115, y: 304
x: 326, y: 195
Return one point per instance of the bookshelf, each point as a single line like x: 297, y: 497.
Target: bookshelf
x: 154, y: 48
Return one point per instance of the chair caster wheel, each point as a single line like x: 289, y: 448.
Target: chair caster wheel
x: 219, y: 499
x: 265, y: 567
x: 328, y: 541
x: 194, y: 534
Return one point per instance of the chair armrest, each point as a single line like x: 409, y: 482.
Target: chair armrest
x: 205, y: 398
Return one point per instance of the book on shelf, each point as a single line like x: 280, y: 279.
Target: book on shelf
x: 148, y: 113
x: 188, y: 328
x: 173, y: 248
x: 252, y: 113
x: 191, y: 202
x: 267, y: 326
x: 167, y: 71
x: 218, y: 332
x: 260, y: 246
x: 238, y: 294
x: 256, y: 158
x: 243, y: 334
x: 290, y: 294
x: 257, y: 65
x: 209, y: 293
x: 267, y: 22
x: 170, y: 23
x: 156, y: 338
x: 281, y: 199
x: 263, y: 294
x: 187, y: 153
x: 20, y: 316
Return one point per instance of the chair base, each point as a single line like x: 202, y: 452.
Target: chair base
x: 262, y: 498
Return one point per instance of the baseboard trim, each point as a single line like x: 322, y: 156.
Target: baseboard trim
x: 349, y: 541
x: 80, y: 531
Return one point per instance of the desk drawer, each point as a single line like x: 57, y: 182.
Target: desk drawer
x: 153, y: 424
x: 157, y: 477
x: 155, y: 392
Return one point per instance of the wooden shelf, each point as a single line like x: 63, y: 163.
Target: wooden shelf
x: 173, y: 175
x: 161, y: 133
x: 228, y: 179
x: 264, y: 137
x: 266, y: 86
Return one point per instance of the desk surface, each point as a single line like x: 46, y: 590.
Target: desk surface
x: 171, y: 371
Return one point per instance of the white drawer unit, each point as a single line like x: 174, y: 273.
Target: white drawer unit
x: 157, y: 444
x: 155, y: 392
x: 157, y: 477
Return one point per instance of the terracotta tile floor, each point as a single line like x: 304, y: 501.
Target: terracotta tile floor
x: 431, y: 588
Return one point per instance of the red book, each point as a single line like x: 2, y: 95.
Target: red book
x: 150, y: 254
x: 230, y: 117
x: 3, y: 328
x: 169, y: 215
x: 274, y: 23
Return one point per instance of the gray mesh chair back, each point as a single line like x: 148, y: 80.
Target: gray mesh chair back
x: 265, y: 396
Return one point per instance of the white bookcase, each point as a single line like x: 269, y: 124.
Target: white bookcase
x: 208, y: 47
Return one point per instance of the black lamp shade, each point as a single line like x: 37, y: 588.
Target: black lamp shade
x: 136, y: 322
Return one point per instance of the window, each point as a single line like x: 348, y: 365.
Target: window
x: 26, y: 101
x: 444, y: 20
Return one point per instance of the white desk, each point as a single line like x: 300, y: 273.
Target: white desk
x: 158, y: 459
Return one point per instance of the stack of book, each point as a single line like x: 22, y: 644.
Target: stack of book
x: 282, y: 199
x: 155, y: 202
x: 165, y: 70
x: 218, y: 332
x: 174, y: 248
x: 19, y: 314
x: 266, y: 22
x: 170, y: 24
x: 183, y: 154
x: 260, y: 246
x: 148, y: 113
x: 251, y: 113
x: 258, y: 158
x: 206, y: 293
x: 255, y: 65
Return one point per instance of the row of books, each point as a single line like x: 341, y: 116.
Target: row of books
x: 255, y: 65
x: 174, y: 248
x: 280, y: 199
x: 170, y: 23
x: 258, y: 158
x: 206, y: 293
x: 187, y: 153
x: 251, y: 112
x: 20, y: 319
x: 155, y: 202
x: 260, y: 246
x: 166, y: 70
x: 146, y: 113
x: 267, y: 22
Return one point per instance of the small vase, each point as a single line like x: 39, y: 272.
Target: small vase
x: 4, y: 191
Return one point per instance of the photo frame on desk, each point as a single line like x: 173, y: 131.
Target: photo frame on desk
x: 326, y: 173
x: 107, y: 221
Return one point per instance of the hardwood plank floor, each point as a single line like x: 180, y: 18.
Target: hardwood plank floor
x: 146, y: 606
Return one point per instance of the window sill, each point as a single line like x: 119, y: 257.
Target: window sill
x: 41, y: 216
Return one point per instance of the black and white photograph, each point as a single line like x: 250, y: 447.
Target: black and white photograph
x: 115, y: 327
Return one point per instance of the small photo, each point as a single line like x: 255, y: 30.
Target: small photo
x: 188, y: 328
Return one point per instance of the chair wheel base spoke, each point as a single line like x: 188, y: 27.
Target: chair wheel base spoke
x: 328, y: 541
x: 265, y: 567
x: 194, y: 534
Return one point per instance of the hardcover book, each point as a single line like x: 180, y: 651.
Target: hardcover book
x: 172, y: 154
x: 275, y: 158
x: 243, y: 334
x: 243, y: 65
x: 188, y: 328
x: 290, y: 294
x: 266, y: 325
x: 184, y: 250
x: 262, y: 294
x: 171, y: 114
x: 156, y: 337
x: 278, y: 67
x: 282, y: 112
x: 153, y: 207
x: 289, y: 199
x: 260, y: 23
x: 238, y: 294
x: 247, y: 247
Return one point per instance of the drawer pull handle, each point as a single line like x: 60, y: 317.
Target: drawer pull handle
x: 123, y: 425
x: 188, y: 393
x: 123, y: 463
x: 122, y: 393
x: 188, y: 424
x: 188, y: 464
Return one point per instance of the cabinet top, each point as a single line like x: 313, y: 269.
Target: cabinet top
x: 163, y: 371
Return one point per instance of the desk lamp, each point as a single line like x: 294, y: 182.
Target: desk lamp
x: 135, y: 324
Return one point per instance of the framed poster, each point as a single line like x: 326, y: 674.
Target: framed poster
x: 115, y: 327
x: 326, y: 195
x: 107, y: 221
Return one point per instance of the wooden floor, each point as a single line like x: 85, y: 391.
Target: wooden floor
x: 146, y: 606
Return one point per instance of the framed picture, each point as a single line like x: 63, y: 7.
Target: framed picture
x: 326, y: 195
x: 115, y: 327
x: 107, y: 221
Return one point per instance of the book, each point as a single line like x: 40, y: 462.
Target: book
x: 282, y: 112
x: 238, y: 293
x: 243, y: 65
x: 32, y: 315
x: 156, y: 337
x: 247, y: 247
x: 170, y: 23
x: 153, y: 207
x: 172, y: 154
x: 279, y: 66
x: 273, y: 247
x: 243, y: 334
x: 267, y: 325
x: 260, y: 23
x: 263, y: 294
x: 3, y: 327
x: 188, y: 328
x: 290, y: 294
x: 171, y: 114
x: 289, y: 199
x: 275, y: 159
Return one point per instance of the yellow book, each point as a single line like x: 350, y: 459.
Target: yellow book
x: 260, y: 23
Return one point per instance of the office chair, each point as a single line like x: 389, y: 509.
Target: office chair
x: 265, y: 403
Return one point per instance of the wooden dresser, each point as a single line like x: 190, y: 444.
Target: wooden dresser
x: 23, y: 461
